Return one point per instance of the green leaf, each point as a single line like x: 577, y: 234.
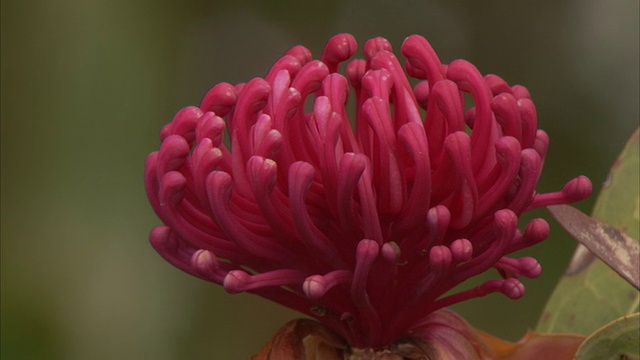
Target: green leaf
x: 619, y: 200
x: 592, y: 294
x: 616, y: 340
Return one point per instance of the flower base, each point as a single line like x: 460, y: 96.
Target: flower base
x: 307, y: 339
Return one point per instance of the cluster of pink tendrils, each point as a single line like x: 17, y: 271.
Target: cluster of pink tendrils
x: 366, y: 220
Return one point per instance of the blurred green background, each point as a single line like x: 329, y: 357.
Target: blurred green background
x: 86, y: 86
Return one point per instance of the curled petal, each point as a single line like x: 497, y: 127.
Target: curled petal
x: 219, y: 191
x: 461, y: 250
x: 301, y: 175
x: 206, y: 263
x: 238, y: 280
x: 423, y: 59
x: 526, y: 266
x: 316, y: 286
x: 366, y: 254
x: 183, y: 124
x: 338, y: 49
x: 575, y: 190
x: 220, y: 99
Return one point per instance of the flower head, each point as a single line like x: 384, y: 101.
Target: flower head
x: 364, y: 212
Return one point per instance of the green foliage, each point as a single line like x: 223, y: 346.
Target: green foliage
x: 616, y: 340
x: 592, y: 294
x: 618, y: 202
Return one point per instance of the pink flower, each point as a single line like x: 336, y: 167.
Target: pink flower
x: 364, y: 212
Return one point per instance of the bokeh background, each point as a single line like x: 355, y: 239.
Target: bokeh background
x: 86, y: 86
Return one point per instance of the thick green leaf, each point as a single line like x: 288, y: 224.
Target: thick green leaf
x: 619, y: 199
x: 616, y: 340
x: 591, y: 294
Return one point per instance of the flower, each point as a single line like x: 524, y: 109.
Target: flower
x: 365, y: 212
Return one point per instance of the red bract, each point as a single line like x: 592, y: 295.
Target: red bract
x: 361, y: 215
